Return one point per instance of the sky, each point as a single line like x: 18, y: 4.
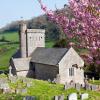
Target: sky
x: 12, y: 10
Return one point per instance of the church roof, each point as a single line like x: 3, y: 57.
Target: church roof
x: 49, y: 56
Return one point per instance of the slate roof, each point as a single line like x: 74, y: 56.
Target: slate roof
x: 49, y: 56
x: 17, y: 54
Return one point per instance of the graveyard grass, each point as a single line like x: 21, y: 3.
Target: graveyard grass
x: 44, y: 90
x: 96, y: 82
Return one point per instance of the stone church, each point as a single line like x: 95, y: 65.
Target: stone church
x: 34, y: 60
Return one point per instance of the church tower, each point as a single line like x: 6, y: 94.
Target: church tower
x: 30, y: 39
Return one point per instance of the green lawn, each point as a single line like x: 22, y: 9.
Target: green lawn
x: 96, y: 82
x: 10, y: 36
x: 44, y: 90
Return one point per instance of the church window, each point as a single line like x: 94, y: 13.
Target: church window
x: 71, y: 71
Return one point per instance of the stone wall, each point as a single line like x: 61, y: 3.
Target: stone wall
x: 45, y: 72
x: 35, y: 38
x: 20, y: 66
x: 71, y: 58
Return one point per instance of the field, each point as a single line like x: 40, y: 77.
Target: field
x: 10, y: 36
x: 7, y: 50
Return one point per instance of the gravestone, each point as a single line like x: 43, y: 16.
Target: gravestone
x: 54, y: 81
x: 18, y: 91
x: 77, y: 86
x: 3, y: 80
x: 72, y: 85
x: 24, y: 80
x: 57, y: 78
x: 84, y: 96
x: 49, y: 81
x: 66, y: 86
x: 56, y: 97
x: 59, y: 97
x: 94, y: 87
x: 13, y: 79
x: 72, y: 96
x: 4, y: 86
x: 28, y: 85
x: 24, y: 90
x: 19, y: 86
x: 29, y: 98
x: 87, y: 87
x: 6, y: 91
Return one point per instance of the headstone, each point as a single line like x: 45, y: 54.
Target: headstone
x: 28, y: 85
x: 59, y: 97
x: 10, y: 73
x: 3, y: 80
x: 24, y: 80
x: 72, y: 96
x: 13, y: 91
x: 18, y: 91
x: 72, y: 85
x: 77, y: 86
x: 13, y: 79
x: 49, y: 81
x: 56, y: 97
x: 24, y: 90
x: 93, y: 79
x: 66, y: 86
x: 57, y: 78
x: 4, y: 86
x: 84, y: 96
x: 87, y: 87
x: 94, y: 87
x: 29, y: 98
x: 54, y: 81
x: 6, y: 91
x: 19, y: 86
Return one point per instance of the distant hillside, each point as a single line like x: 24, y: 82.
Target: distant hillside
x: 52, y: 31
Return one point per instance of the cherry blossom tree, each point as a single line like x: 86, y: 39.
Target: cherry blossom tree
x: 84, y: 25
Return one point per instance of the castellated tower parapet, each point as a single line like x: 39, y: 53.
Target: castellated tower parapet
x: 30, y: 39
